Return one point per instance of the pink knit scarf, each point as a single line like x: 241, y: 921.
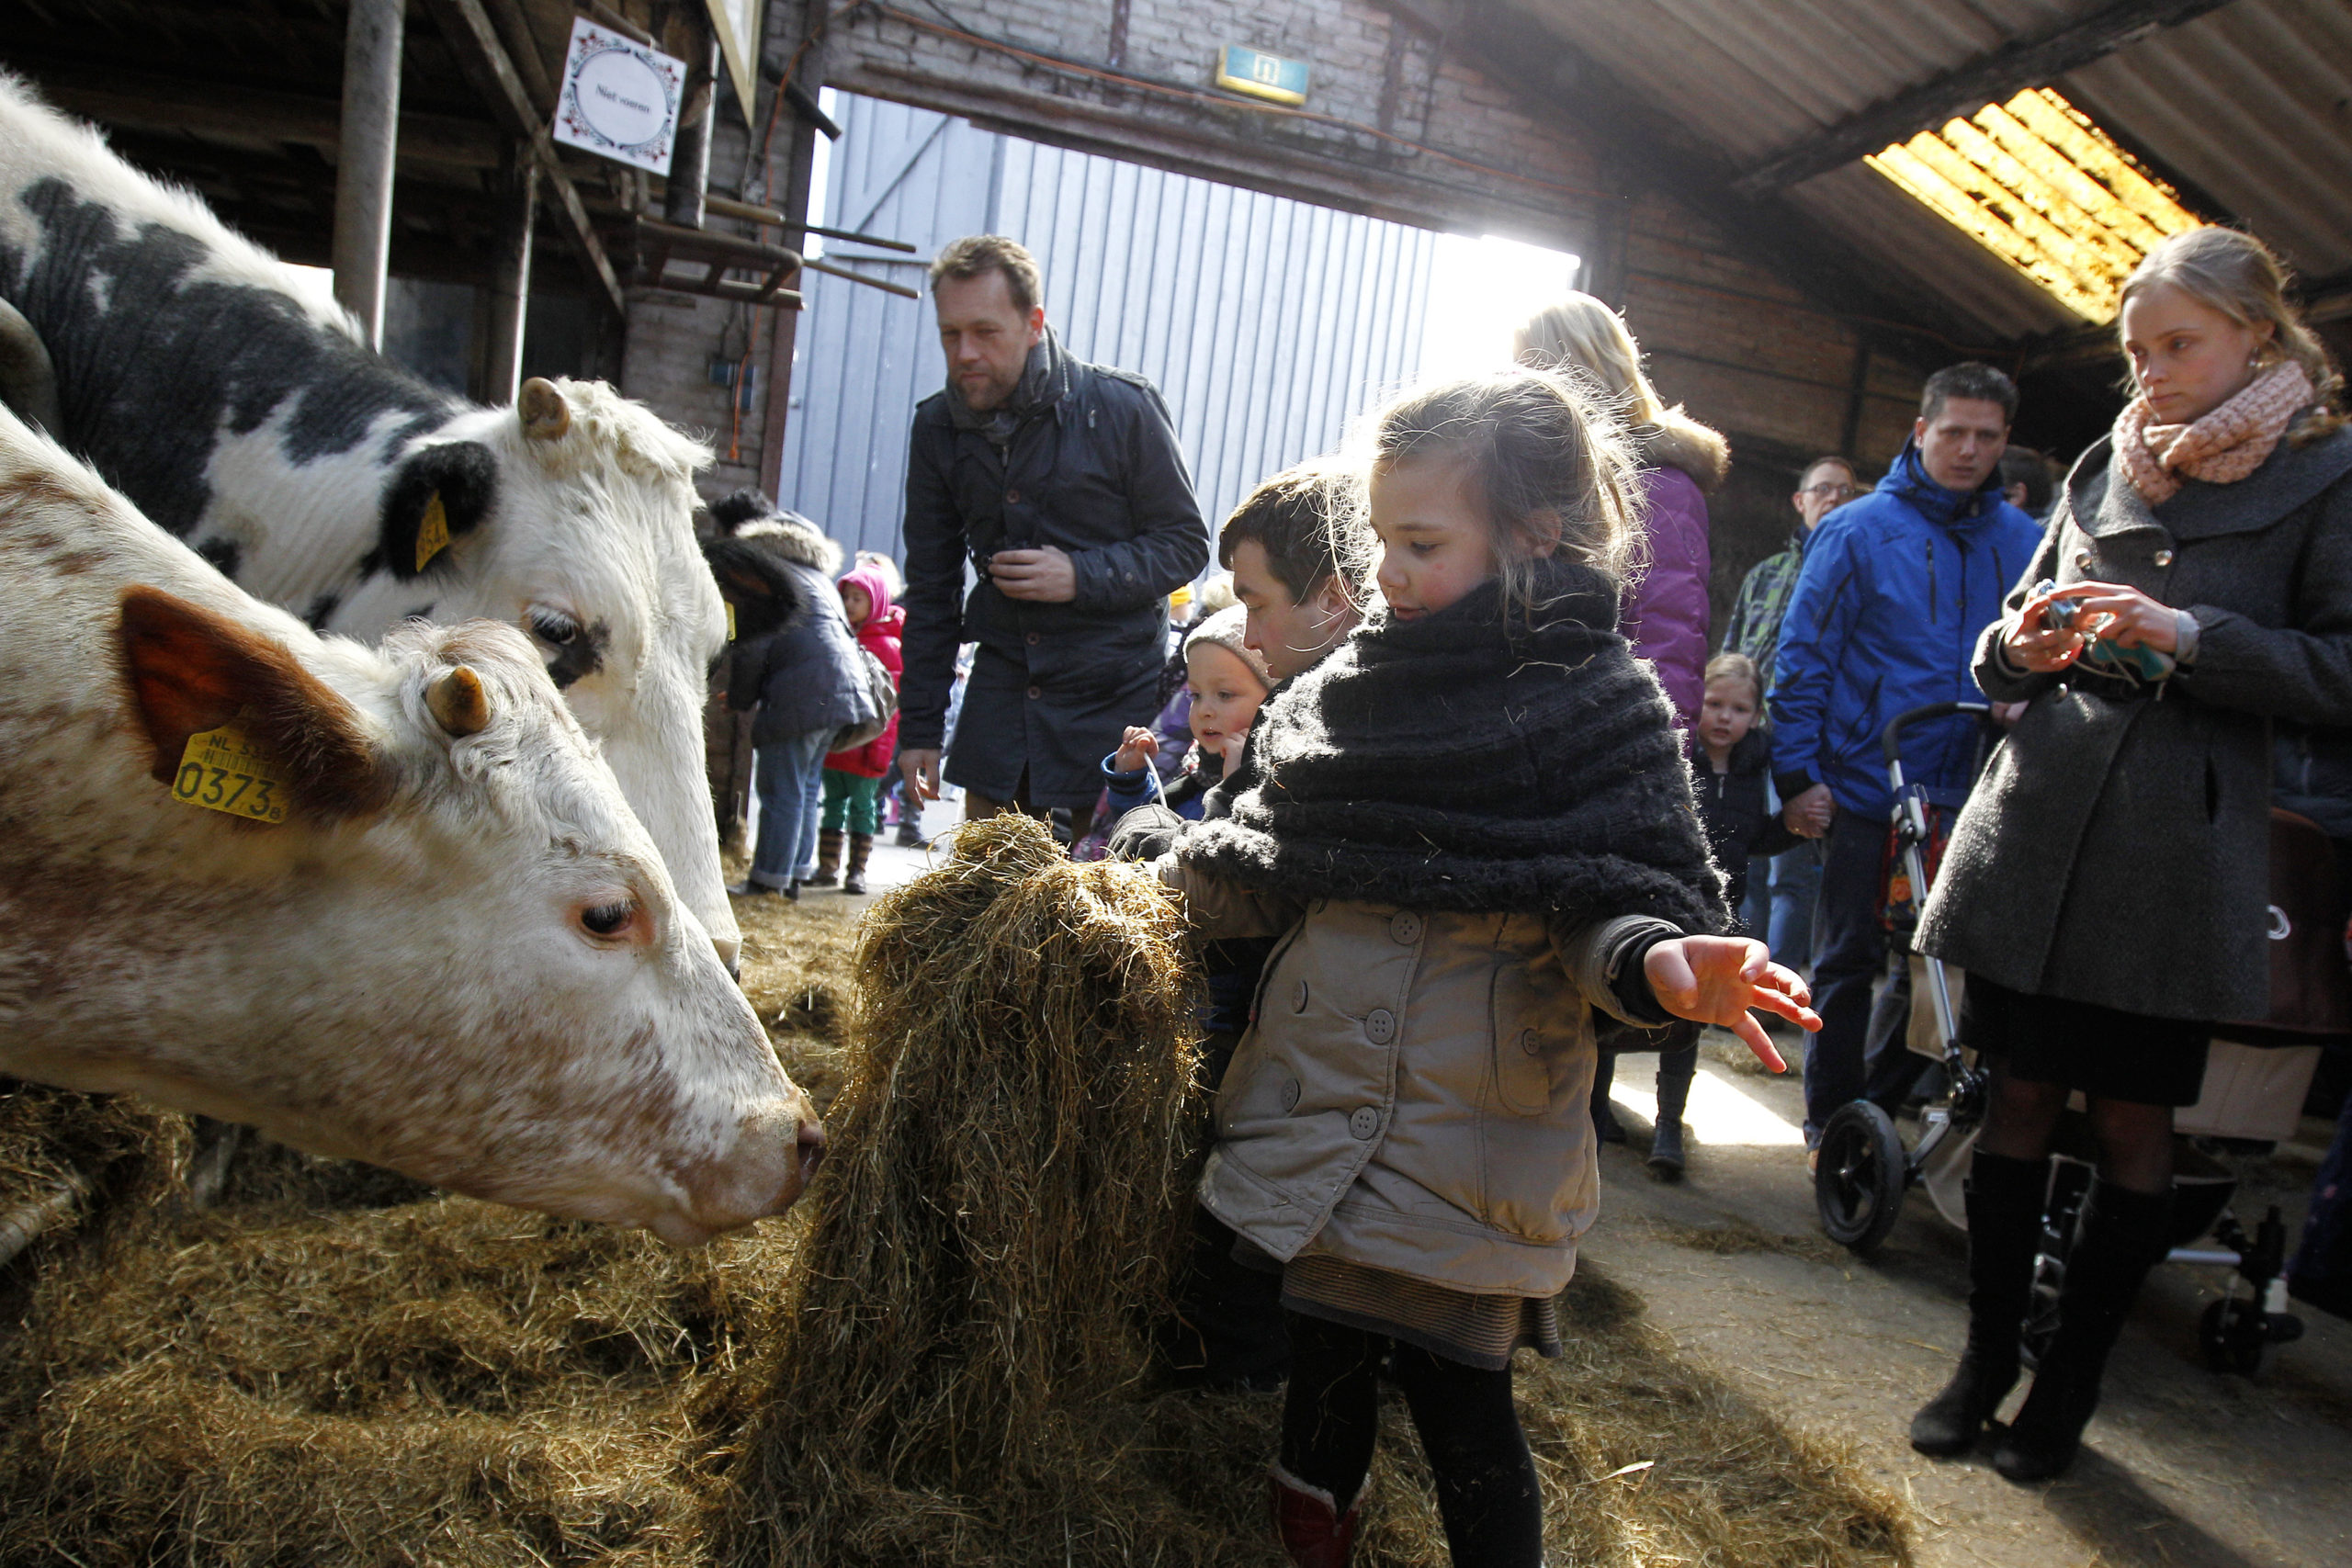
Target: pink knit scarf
x: 2227, y: 444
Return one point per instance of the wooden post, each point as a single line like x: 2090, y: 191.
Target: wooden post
x: 799, y: 177
x: 363, y: 183
x: 690, y: 163
x: 1858, y: 391
x: 510, y: 283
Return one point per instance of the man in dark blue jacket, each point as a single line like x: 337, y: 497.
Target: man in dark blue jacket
x: 1060, y: 483
x: 1895, y: 590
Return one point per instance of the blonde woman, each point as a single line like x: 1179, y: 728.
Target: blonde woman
x: 1681, y: 462
x: 2106, y: 886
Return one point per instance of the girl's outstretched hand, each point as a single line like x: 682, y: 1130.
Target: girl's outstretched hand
x: 1715, y: 979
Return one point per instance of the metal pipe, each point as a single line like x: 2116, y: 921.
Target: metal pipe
x: 728, y: 206
x: 900, y: 290
x: 363, y: 181
x: 510, y: 284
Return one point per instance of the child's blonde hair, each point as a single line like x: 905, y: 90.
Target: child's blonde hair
x: 1544, y: 459
x: 1737, y: 667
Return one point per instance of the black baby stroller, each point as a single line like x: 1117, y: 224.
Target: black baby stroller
x: 1864, y: 1169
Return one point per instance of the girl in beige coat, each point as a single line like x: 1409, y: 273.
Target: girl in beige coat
x: 1471, y: 826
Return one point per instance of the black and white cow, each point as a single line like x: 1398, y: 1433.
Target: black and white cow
x: 225, y: 393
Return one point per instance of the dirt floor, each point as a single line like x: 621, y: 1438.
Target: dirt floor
x: 2183, y: 1466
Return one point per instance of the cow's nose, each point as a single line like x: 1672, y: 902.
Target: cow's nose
x: 812, y: 1149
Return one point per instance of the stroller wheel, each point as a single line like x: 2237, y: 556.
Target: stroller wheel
x: 1859, y: 1183
x: 2233, y: 1335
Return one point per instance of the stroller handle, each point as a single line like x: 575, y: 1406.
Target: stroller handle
x: 1891, y: 741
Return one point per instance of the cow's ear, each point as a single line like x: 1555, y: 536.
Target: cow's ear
x: 438, y: 495
x: 191, y: 670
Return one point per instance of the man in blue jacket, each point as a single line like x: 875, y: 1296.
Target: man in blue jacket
x: 1894, y: 591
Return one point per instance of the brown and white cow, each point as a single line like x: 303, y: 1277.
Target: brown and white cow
x: 438, y: 940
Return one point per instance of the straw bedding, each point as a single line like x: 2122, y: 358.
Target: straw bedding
x: 933, y: 1361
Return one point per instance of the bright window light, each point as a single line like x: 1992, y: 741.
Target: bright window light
x: 2039, y: 185
x: 1719, y: 1112
x: 1480, y: 291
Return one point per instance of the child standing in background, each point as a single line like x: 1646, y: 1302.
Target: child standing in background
x: 1473, y: 823
x: 854, y: 778
x: 1736, y: 805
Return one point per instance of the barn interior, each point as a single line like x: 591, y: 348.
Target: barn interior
x: 1801, y: 213
x: 1798, y: 217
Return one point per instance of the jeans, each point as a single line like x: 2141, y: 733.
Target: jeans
x: 1849, y: 955
x: 851, y: 803
x: 1796, y: 884
x: 790, y: 776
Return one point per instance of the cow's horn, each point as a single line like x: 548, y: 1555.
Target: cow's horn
x: 546, y: 415
x: 457, y: 700
x: 28, y: 378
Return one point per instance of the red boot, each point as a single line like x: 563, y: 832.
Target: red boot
x: 1309, y: 1522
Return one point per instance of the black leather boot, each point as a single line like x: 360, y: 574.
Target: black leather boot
x: 1676, y: 1068
x: 2004, y: 1199
x: 2124, y: 1234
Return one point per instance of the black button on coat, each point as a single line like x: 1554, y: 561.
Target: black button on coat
x: 1093, y: 469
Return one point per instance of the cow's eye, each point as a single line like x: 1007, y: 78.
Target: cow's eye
x: 549, y: 627
x: 607, y: 919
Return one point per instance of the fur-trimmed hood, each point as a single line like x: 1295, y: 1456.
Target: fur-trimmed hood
x: 1677, y: 441
x: 755, y: 556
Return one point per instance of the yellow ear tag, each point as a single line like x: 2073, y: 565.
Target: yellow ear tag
x: 731, y: 620
x: 432, y: 532
x: 222, y: 771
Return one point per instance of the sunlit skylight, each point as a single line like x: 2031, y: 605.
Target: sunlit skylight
x: 2036, y: 183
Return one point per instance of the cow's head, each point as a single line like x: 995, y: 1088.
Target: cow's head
x: 459, y: 954
x: 570, y: 516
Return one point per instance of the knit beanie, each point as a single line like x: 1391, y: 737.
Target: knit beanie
x: 1226, y: 628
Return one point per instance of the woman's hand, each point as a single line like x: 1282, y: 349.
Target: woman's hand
x: 2120, y: 613
x: 2124, y: 615
x: 1138, y: 746
x: 1715, y: 979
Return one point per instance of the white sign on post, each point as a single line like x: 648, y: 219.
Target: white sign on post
x: 620, y: 98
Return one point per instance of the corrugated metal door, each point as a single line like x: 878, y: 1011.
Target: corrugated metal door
x: 1266, y: 323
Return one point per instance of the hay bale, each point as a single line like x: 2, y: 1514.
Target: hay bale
x: 1006, y: 1175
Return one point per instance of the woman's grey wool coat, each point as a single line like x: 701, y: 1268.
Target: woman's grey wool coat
x: 2117, y: 849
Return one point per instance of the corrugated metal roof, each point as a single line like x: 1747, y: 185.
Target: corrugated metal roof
x: 2248, y: 105
x: 2252, y: 102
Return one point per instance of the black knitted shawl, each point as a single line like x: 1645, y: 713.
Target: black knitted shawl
x: 1462, y: 761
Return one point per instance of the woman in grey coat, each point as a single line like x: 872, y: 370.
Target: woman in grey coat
x: 2106, y: 886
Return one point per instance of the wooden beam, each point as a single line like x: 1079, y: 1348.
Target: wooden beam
x: 2008, y: 70
x: 475, y: 43
x: 136, y: 101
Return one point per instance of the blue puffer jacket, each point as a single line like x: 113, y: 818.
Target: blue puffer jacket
x: 1895, y: 590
